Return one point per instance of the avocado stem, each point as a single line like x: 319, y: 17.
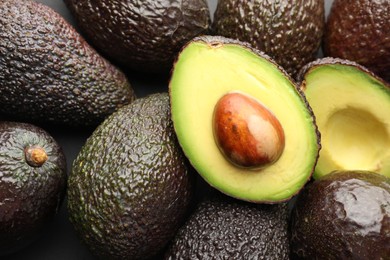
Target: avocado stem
x: 35, y: 155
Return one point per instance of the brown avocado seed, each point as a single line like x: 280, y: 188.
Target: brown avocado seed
x: 35, y: 156
x: 246, y: 132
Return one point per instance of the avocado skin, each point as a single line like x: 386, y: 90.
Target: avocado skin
x: 289, y: 32
x: 359, y: 31
x: 141, y: 35
x: 225, y: 228
x: 343, y: 215
x: 130, y: 186
x: 48, y: 73
x: 30, y: 196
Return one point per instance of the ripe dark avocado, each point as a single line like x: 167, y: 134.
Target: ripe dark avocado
x: 141, y: 35
x: 224, y: 228
x: 343, y: 215
x: 276, y: 129
x: 350, y: 104
x: 48, y: 73
x: 130, y: 186
x: 360, y: 31
x: 288, y: 31
x: 32, y: 183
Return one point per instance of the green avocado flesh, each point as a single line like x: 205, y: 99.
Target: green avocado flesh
x: 207, y: 69
x: 351, y: 109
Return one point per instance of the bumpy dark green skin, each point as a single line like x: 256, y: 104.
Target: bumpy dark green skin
x: 130, y: 186
x: 29, y: 196
x: 48, y: 73
x: 288, y: 31
x: 141, y: 35
x: 344, y: 215
x: 224, y: 228
x: 358, y: 30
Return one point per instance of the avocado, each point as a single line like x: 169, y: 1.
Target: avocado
x: 359, y: 31
x: 32, y: 183
x: 141, y: 35
x: 225, y: 228
x: 49, y: 74
x: 350, y: 104
x: 343, y: 215
x: 241, y: 121
x: 288, y: 31
x: 130, y: 186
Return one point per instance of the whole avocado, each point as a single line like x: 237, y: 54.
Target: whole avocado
x: 226, y: 228
x: 288, y: 31
x: 359, y: 31
x: 342, y: 215
x: 48, y: 72
x: 141, y: 35
x: 130, y: 186
x: 32, y: 183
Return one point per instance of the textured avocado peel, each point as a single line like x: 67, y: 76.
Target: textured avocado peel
x: 359, y: 31
x: 216, y: 66
x: 343, y: 215
x: 142, y: 186
x: 50, y: 74
x: 225, y: 228
x: 141, y: 35
x: 290, y: 32
x: 31, y: 189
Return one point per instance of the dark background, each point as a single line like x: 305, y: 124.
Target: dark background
x: 59, y: 241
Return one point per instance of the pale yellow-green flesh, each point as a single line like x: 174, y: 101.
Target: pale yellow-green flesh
x: 352, y: 113
x: 202, y: 75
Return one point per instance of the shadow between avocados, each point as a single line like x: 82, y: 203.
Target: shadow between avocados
x: 211, y: 67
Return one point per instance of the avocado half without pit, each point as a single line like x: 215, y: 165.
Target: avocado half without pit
x: 351, y: 106
x: 241, y: 121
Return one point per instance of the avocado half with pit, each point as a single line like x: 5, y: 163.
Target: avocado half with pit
x: 241, y: 121
x: 352, y: 107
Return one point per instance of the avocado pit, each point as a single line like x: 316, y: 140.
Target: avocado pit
x: 246, y: 132
x: 35, y: 155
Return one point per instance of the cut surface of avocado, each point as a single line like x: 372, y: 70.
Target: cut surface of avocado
x: 351, y: 109
x: 207, y: 69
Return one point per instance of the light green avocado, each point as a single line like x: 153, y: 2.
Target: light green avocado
x: 210, y: 67
x: 351, y: 106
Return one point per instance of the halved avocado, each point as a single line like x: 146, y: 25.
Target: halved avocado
x: 352, y: 107
x: 210, y: 68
